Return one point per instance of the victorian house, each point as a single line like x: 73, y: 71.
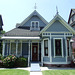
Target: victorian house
x: 40, y: 41
x: 71, y: 22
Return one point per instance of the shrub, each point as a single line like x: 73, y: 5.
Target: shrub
x: 21, y: 62
x: 9, y: 61
x: 1, y: 57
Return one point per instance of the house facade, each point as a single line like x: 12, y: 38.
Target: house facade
x: 40, y: 41
x: 71, y: 22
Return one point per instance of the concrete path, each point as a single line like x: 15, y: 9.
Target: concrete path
x: 35, y: 73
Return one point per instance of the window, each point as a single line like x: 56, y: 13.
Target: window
x: 58, y: 47
x: 46, y: 47
x: 19, y: 49
x: 35, y: 24
x: 13, y: 48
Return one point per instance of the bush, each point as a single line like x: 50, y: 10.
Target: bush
x: 1, y: 57
x: 21, y: 62
x: 9, y: 61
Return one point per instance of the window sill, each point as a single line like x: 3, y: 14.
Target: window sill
x: 58, y: 56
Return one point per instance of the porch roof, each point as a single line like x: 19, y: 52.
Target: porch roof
x: 19, y: 32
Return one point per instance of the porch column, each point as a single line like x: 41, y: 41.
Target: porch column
x: 69, y: 48
x: 66, y: 49
x: 16, y: 47
x: 42, y: 52
x: 29, y: 54
x: 3, y: 47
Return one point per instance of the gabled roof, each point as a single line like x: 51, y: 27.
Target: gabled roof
x: 32, y: 14
x: 19, y: 32
x: 70, y: 14
x: 58, y: 17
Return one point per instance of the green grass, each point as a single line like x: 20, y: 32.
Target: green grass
x: 59, y: 72
x: 14, y: 72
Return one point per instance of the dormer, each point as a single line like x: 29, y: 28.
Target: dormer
x: 34, y: 22
x: 34, y: 25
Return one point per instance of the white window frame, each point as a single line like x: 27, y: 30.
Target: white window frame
x: 34, y: 24
x: 48, y: 46
x: 61, y: 46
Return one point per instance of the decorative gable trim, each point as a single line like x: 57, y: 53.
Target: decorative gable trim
x: 32, y: 14
x: 60, y: 19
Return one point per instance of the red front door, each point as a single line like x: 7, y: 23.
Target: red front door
x: 35, y: 52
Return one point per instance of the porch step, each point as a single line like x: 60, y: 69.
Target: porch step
x: 35, y: 67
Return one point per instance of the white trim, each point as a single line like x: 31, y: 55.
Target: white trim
x: 69, y: 48
x: 48, y: 46
x: 10, y: 48
x: 4, y: 37
x: 66, y: 49
x: 42, y: 52
x: 62, y: 21
x: 50, y: 49
x: 16, y: 48
x: 29, y: 54
x: 7, y: 48
x: 61, y: 46
x: 3, y: 47
x: 35, y: 24
x: 21, y: 48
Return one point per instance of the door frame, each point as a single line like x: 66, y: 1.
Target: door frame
x: 38, y: 50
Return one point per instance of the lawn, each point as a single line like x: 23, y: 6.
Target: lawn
x: 14, y: 72
x: 59, y: 72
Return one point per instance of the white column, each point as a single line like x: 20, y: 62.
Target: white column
x: 69, y: 48
x: 50, y: 49
x: 16, y: 47
x: 66, y: 49
x: 3, y: 47
x: 29, y: 54
x: 42, y: 51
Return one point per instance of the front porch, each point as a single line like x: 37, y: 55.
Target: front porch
x: 30, y: 49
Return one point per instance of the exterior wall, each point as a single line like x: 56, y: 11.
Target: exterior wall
x: 57, y: 59
x: 57, y: 27
x: 46, y: 59
x: 34, y: 18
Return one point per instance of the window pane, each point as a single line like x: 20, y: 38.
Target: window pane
x: 36, y: 24
x: 13, y: 48
x: 68, y: 47
x: 19, y: 49
x: 58, y: 51
x: 32, y: 24
x: 46, y: 47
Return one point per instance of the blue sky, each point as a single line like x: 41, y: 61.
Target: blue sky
x: 15, y: 11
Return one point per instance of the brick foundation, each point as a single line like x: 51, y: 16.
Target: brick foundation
x: 58, y: 65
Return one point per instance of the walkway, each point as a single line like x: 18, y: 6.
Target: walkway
x: 35, y: 69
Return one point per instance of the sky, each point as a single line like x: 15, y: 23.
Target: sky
x: 15, y: 11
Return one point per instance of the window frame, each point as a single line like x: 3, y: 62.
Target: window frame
x: 35, y: 24
x: 44, y: 46
x: 61, y: 47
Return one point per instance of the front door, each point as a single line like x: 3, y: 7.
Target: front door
x: 35, y: 52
